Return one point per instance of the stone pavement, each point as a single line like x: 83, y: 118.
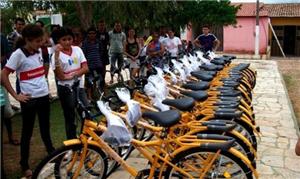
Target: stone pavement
x: 274, y: 115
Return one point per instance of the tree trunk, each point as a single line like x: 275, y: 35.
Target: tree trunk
x: 85, y: 13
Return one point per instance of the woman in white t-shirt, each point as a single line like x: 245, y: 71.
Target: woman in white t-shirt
x: 68, y: 62
x: 28, y: 63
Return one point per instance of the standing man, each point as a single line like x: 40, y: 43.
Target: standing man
x: 172, y: 44
x: 90, y: 48
x: 12, y: 42
x: 117, y: 40
x: 103, y: 38
x: 13, y: 36
x: 207, y: 41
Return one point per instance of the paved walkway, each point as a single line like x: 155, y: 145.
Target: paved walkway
x: 274, y: 115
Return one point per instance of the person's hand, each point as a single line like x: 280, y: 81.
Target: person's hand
x: 133, y: 58
x: 58, y: 49
x: 23, y: 97
x: 71, y: 76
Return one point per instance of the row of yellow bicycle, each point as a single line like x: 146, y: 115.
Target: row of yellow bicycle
x: 189, y: 120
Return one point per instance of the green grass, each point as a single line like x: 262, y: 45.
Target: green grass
x: 37, y: 149
x: 289, y: 80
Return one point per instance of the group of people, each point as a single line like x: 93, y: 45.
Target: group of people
x: 72, y: 55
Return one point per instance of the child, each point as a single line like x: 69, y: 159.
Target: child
x: 27, y: 61
x: 68, y: 62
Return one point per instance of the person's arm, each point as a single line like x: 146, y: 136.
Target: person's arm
x: 83, y: 70
x: 139, y: 52
x: 297, y: 148
x: 58, y: 71
x: 216, y: 44
x: 162, y: 50
x: 150, y: 52
x: 6, y: 83
x: 179, y: 46
x: 196, y: 42
x: 84, y: 67
x: 124, y: 41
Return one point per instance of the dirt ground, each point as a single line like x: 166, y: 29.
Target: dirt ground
x: 290, y: 70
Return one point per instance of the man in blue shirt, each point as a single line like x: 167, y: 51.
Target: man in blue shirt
x: 207, y: 41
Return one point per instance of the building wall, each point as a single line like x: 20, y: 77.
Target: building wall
x: 284, y: 21
x: 241, y: 37
x: 275, y: 21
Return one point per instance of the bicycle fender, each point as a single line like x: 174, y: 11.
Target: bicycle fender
x: 218, y: 146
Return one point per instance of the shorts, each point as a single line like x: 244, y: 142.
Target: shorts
x: 134, y: 64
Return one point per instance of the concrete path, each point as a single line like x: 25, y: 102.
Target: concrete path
x: 274, y: 115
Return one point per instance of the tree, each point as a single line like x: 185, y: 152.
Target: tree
x: 138, y: 14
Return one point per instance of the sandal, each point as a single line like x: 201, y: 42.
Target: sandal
x: 27, y: 173
x: 14, y: 142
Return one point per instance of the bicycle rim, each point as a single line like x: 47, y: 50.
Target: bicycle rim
x: 64, y: 162
x: 193, y: 161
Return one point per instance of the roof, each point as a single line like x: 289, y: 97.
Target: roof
x: 249, y: 9
x: 283, y: 10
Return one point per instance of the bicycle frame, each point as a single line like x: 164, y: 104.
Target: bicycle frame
x: 154, y: 156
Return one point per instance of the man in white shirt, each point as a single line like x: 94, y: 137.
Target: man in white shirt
x: 172, y: 44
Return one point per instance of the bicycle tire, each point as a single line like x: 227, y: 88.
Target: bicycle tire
x: 60, y: 158
x: 184, y: 155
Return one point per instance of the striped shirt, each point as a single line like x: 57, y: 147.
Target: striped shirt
x: 92, y: 53
x: 12, y: 38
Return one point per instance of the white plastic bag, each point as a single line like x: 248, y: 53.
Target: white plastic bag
x: 117, y: 133
x: 179, y: 68
x: 134, y: 112
x: 173, y: 76
x: 157, y: 102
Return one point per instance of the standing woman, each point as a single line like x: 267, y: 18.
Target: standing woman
x: 132, y: 51
x: 68, y: 62
x: 27, y: 61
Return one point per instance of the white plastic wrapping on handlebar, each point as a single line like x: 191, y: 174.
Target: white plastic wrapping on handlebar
x: 173, y: 76
x: 134, y: 112
x: 178, y: 67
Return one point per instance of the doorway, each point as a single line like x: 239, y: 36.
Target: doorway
x: 289, y: 40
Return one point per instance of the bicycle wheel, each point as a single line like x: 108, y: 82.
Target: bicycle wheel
x: 64, y: 161
x: 124, y: 151
x: 192, y: 161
